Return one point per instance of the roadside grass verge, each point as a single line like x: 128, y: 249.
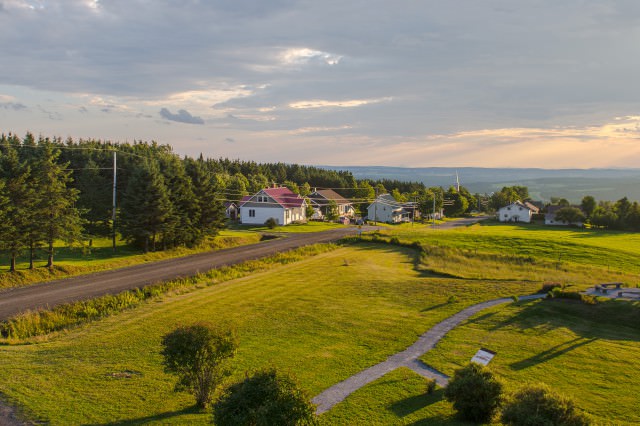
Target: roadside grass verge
x: 323, y: 319
x: 588, y: 352
x: 79, y: 260
x: 292, y: 228
x: 42, y: 322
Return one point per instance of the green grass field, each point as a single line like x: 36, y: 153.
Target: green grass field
x: 332, y: 315
x: 587, y: 352
x: 367, y: 303
x: 100, y: 256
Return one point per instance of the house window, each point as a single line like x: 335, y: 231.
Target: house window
x: 262, y: 199
x: 252, y: 213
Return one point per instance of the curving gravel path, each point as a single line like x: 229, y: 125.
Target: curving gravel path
x: 407, y: 358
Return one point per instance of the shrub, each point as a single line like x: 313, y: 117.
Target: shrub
x: 452, y: 299
x: 197, y: 353
x: 431, y: 386
x: 475, y: 393
x: 547, y: 287
x: 271, y: 223
x: 266, y: 398
x: 538, y: 405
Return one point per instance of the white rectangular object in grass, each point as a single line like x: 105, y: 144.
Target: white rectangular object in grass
x: 483, y: 356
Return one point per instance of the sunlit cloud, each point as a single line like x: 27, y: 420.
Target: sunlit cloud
x: 336, y: 104
x: 299, y: 56
x: 202, y: 101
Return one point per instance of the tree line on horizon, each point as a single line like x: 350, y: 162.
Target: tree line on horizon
x: 53, y: 189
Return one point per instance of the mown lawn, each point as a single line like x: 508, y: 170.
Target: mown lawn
x: 330, y: 316
x: 398, y: 398
x: 69, y: 261
x: 323, y: 319
x: 587, y: 352
x: 614, y: 252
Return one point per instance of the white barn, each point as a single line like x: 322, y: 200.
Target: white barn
x: 515, y: 212
x: 278, y: 203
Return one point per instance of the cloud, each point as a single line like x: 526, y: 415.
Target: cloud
x: 16, y: 106
x: 299, y: 56
x: 336, y: 104
x: 183, y: 116
x: 229, y: 140
x: 304, y: 130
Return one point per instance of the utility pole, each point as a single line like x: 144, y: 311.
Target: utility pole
x: 375, y: 208
x: 113, y: 213
x: 434, y: 209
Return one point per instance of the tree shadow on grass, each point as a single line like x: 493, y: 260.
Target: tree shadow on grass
x: 551, y: 353
x: 608, y: 319
x: 415, y: 403
x: 194, y: 409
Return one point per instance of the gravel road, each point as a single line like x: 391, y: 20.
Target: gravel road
x: 16, y: 300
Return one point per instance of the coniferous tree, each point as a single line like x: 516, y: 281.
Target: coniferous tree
x: 95, y: 197
x: 145, y: 206
x: 211, y: 216
x: 20, y: 202
x: 56, y: 216
x: 180, y: 226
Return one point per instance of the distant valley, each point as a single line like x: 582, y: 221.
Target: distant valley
x: 572, y: 184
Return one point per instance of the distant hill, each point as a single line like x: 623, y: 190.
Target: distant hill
x: 572, y: 184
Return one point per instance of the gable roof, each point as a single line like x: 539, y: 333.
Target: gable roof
x: 282, y: 195
x: 388, y: 200
x: 519, y: 203
x: 328, y: 194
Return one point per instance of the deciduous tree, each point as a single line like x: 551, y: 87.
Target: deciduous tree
x: 197, y: 354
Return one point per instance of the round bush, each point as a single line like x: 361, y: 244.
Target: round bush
x: 475, y: 393
x: 538, y: 405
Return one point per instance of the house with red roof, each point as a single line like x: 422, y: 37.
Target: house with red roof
x: 281, y: 204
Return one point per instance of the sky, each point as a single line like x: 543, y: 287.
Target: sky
x: 410, y: 83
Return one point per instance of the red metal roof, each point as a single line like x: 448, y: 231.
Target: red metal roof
x: 283, y: 196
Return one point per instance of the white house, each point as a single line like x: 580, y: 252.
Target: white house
x: 278, y: 203
x: 515, y: 212
x: 385, y: 208
x: 320, y: 200
x: 550, y: 217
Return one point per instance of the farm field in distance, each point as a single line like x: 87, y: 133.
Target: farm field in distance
x: 371, y: 300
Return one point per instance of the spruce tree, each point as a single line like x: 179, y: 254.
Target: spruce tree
x: 180, y: 225
x: 145, y: 206
x: 56, y: 217
x: 19, y: 203
x: 211, y: 216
